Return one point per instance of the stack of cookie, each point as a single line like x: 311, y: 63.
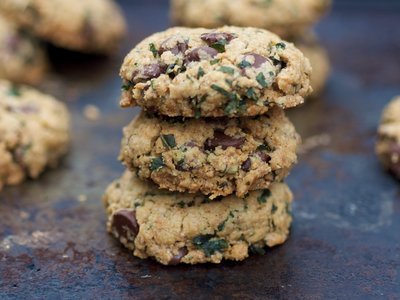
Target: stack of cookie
x: 290, y: 19
x: 208, y: 154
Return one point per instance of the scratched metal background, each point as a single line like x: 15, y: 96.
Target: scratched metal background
x: 345, y: 241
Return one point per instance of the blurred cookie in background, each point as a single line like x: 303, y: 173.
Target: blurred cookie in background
x: 319, y: 59
x: 90, y: 26
x: 22, y: 57
x: 388, y: 143
x: 34, y: 133
x: 285, y: 17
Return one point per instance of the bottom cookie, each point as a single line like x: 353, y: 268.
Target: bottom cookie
x: 178, y: 228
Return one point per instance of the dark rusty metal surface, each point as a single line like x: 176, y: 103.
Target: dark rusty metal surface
x: 345, y: 241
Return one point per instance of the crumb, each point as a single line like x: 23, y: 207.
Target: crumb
x: 313, y: 142
x: 91, y: 112
x: 82, y: 198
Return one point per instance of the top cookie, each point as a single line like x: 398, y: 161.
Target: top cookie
x: 89, y: 26
x: 22, y: 58
x: 388, y: 144
x: 229, y: 71
x: 287, y: 18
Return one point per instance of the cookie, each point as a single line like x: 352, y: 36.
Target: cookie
x: 93, y: 26
x: 229, y: 71
x: 34, y: 133
x: 319, y: 60
x: 178, y: 228
x: 22, y: 57
x: 286, y: 18
x: 388, y: 143
x: 216, y: 157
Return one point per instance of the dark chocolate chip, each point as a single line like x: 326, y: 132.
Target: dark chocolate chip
x: 246, y: 165
x: 213, y: 37
x: 263, y: 156
x: 223, y: 140
x: 149, y: 71
x: 177, y: 49
x: 197, y: 53
x: 258, y: 59
x: 124, y: 221
x: 176, y: 259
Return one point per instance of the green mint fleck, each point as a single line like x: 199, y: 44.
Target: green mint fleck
x: 156, y: 164
x: 126, y: 85
x: 153, y: 49
x: 219, y: 45
x: 251, y: 94
x: 274, y: 208
x: 281, y: 46
x: 168, y: 140
x: 226, y: 70
x: 209, y: 245
x: 221, y: 90
x: 265, y: 194
x: 261, y: 80
x: 181, y: 204
x: 214, y: 61
x: 200, y: 73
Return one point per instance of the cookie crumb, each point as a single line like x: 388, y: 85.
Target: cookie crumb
x: 82, y: 198
x: 91, y: 112
x: 315, y: 141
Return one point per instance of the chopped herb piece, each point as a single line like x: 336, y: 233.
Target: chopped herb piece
x: 214, y: 61
x: 14, y: 91
x: 226, y: 70
x: 209, y: 245
x: 244, y: 64
x: 251, y: 94
x: 274, y: 208
x: 156, y: 164
x: 281, y: 46
x: 261, y: 80
x: 264, y: 195
x: 219, y: 45
x: 153, y: 49
x: 168, y: 140
x: 221, y: 90
x: 126, y: 85
x: 181, y: 204
x: 257, y: 250
x: 200, y: 73
x: 264, y: 147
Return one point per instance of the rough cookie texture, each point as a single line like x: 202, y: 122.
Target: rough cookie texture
x: 34, y: 133
x: 178, y: 228
x: 22, y: 58
x: 229, y: 71
x: 284, y: 17
x: 388, y: 144
x: 89, y: 26
x: 319, y: 60
x: 216, y: 157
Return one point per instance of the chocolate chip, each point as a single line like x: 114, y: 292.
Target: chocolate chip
x: 223, y: 140
x: 258, y: 59
x: 200, y: 53
x: 149, y: 71
x: 176, y: 259
x: 177, y: 49
x: 246, y: 165
x: 124, y: 221
x: 263, y: 156
x: 213, y: 37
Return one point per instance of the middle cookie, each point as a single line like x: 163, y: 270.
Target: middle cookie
x: 216, y: 157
